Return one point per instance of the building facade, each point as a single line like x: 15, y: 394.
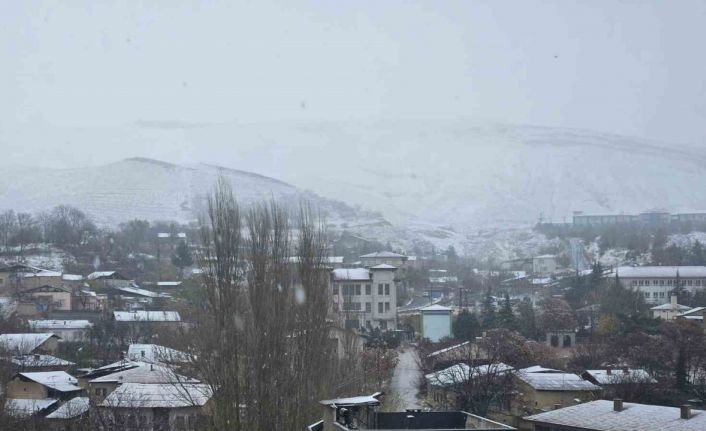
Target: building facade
x: 365, y: 297
x: 657, y: 282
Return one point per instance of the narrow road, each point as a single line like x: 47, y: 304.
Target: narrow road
x: 405, y: 380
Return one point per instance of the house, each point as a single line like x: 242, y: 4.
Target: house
x: 84, y: 299
x: 23, y: 344
x: 620, y: 382
x: 68, y: 330
x: 365, y: 297
x: 462, y: 352
x: 696, y: 314
x: 39, y: 362
x: 57, y: 385
x: 443, y: 385
x: 657, y: 282
x: 22, y: 277
x: 142, y: 316
x: 670, y: 310
x: 108, y: 279
x: 73, y: 410
x: 436, y: 322
x: 153, y: 353
x: 539, y: 389
x: 616, y: 415
x: 360, y: 412
x: 154, y: 406
x: 133, y: 372
x: 51, y: 298
x: 28, y: 407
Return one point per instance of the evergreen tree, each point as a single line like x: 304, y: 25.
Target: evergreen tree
x: 527, y: 319
x: 466, y: 326
x: 181, y: 258
x: 487, y: 312
x: 506, y: 317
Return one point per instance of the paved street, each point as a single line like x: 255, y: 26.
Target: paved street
x: 405, y: 379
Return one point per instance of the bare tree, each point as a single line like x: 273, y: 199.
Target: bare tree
x: 8, y: 226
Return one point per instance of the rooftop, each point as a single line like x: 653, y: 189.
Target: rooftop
x: 145, y: 373
x: 661, y: 271
x: 621, y: 375
x: 435, y: 307
x: 56, y: 380
x: 554, y: 380
x: 72, y: 408
x: 382, y: 254
x: 155, y: 353
x: 137, y: 395
x: 23, y: 343
x: 38, y: 361
x: 460, y: 373
x: 351, y: 274
x: 600, y: 416
x: 21, y: 407
x: 383, y: 266
x: 59, y: 324
x: 147, y: 316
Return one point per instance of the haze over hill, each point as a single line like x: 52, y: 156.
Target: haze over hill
x: 419, y: 174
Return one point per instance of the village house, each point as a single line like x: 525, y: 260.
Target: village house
x: 57, y: 385
x: 670, y: 310
x: 616, y: 415
x: 24, y: 344
x: 35, y: 362
x: 657, y: 282
x: 73, y: 414
x: 20, y: 277
x: 68, y: 330
x: 620, y: 382
x: 383, y: 258
x: 84, y: 299
x: 444, y: 385
x: 539, y: 389
x: 51, y: 298
x: 365, y: 297
x: 165, y: 406
x: 153, y: 353
x: 108, y: 279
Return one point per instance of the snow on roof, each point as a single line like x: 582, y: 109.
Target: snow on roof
x: 23, y: 343
x: 661, y: 271
x: 694, y: 312
x: 164, y: 235
x: 448, y: 349
x: 462, y: 372
x: 72, y: 277
x: 137, y: 291
x: 137, y: 395
x: 37, y: 361
x: 539, y: 369
x: 181, y: 235
x: 555, y: 381
x: 72, y: 408
x: 363, y: 400
x: 145, y: 373
x: 599, y: 415
x: 21, y: 407
x: 383, y: 266
x: 168, y: 283
x: 619, y: 375
x: 59, y: 324
x: 58, y: 380
x: 360, y: 274
x: 435, y: 307
x: 670, y: 306
x: 100, y: 274
x: 155, y: 353
x: 381, y: 254
x: 147, y: 316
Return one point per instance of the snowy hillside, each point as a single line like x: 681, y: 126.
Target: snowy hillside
x: 148, y: 189
x: 454, y: 174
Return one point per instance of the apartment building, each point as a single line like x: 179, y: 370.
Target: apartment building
x: 657, y: 282
x: 365, y: 297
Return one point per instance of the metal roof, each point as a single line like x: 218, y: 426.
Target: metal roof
x: 555, y: 381
x: 145, y: 373
x: 661, y: 271
x: 363, y: 400
x: 600, y: 416
x: 59, y: 324
x: 72, y: 408
x: 137, y: 395
x: 147, y: 316
x: 57, y: 380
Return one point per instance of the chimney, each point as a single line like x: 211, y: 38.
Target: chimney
x: 609, y: 370
x: 685, y: 410
x: 617, y: 404
x: 674, y: 299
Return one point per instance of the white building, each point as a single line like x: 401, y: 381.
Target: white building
x: 657, y: 282
x: 365, y: 297
x: 436, y: 322
x: 670, y: 310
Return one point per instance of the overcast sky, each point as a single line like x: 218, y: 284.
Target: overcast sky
x: 629, y: 67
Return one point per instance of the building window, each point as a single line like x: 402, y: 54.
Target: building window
x: 367, y: 289
x: 634, y: 283
x: 654, y: 282
x: 387, y: 289
x: 689, y: 282
x: 654, y: 294
x: 669, y: 282
x: 661, y: 294
x: 380, y: 289
x: 661, y: 282
x: 387, y: 306
x: 357, y: 289
x: 383, y: 324
x: 368, y: 307
x: 380, y: 305
x: 647, y: 294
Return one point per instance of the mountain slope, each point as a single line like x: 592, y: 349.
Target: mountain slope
x: 148, y: 189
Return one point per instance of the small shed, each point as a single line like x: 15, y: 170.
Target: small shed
x: 436, y: 322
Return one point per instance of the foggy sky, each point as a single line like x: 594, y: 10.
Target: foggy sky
x: 628, y: 67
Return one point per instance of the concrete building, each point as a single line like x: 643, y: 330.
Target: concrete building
x: 436, y: 322
x: 657, y: 282
x: 365, y: 297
